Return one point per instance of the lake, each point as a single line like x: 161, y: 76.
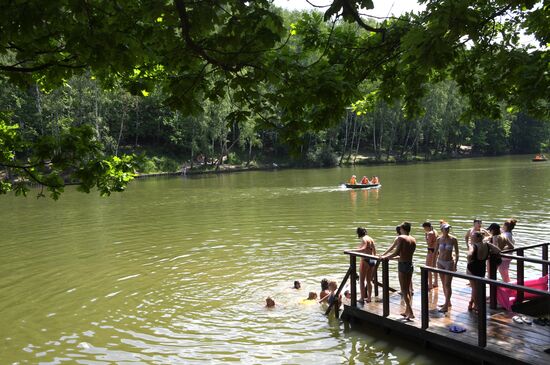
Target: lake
x: 176, y: 270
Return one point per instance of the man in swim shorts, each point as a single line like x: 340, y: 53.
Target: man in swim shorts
x: 405, y: 245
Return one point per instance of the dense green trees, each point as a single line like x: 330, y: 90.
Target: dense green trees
x: 237, y: 78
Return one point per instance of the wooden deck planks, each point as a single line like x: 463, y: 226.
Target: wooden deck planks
x: 522, y: 342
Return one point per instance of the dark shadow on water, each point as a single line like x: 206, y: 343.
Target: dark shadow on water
x: 370, y: 345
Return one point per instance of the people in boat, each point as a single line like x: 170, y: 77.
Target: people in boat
x: 374, y: 180
x: 431, y: 237
x: 503, y: 243
x: 367, y: 266
x: 364, y: 180
x: 325, y: 292
x: 446, y: 251
x: 269, y: 302
x: 476, y: 228
x: 405, y: 245
x: 353, y: 180
x: 297, y: 284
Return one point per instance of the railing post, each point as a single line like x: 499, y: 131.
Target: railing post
x: 424, y: 293
x: 493, y: 288
x: 386, y: 288
x: 481, y: 314
x: 375, y: 278
x: 521, y: 276
x: 545, y: 257
x: 353, y: 281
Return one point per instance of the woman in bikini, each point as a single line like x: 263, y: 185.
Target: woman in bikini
x: 507, y: 229
x: 431, y: 238
x: 445, y: 245
x: 366, y: 270
x: 503, y: 243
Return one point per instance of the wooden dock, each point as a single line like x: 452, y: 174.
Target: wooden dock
x: 496, y: 340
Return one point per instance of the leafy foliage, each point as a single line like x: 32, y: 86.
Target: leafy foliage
x: 212, y: 76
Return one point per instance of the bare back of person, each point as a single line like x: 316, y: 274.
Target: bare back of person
x: 367, y: 267
x: 406, y: 245
x: 431, y: 238
x: 502, y: 242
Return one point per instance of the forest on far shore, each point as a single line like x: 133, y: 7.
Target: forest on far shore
x: 166, y: 139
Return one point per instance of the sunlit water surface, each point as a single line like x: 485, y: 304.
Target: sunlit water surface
x: 176, y: 270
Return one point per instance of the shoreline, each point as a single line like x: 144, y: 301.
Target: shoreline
x: 226, y: 169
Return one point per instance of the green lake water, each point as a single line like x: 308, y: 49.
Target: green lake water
x: 176, y: 270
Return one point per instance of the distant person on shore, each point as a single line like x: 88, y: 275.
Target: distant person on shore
x: 431, y: 237
x: 503, y: 243
x: 353, y: 180
x: 367, y: 266
x: 269, y: 302
x: 405, y: 245
x: 364, y: 180
x: 325, y: 292
x: 445, y: 245
x: 476, y: 228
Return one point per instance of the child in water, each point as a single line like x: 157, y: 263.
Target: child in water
x: 333, y: 286
x: 325, y: 292
x: 269, y: 302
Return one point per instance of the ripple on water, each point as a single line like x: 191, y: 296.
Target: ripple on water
x: 177, y: 270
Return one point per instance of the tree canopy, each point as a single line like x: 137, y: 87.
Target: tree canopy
x: 290, y: 72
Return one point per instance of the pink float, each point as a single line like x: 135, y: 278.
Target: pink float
x: 507, y: 297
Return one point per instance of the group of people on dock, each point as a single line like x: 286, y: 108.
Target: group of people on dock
x: 443, y: 252
x: 364, y: 181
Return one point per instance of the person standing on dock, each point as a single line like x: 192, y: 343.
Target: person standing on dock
x: 503, y: 243
x: 472, y: 231
x: 445, y: 245
x: 366, y: 270
x: 405, y: 245
x: 431, y: 238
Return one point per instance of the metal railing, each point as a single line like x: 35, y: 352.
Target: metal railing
x: 480, y: 284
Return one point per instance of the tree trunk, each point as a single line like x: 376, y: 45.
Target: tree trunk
x: 345, y: 142
x: 354, y: 125
x: 358, y: 140
x: 38, y: 100
x: 249, y: 153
